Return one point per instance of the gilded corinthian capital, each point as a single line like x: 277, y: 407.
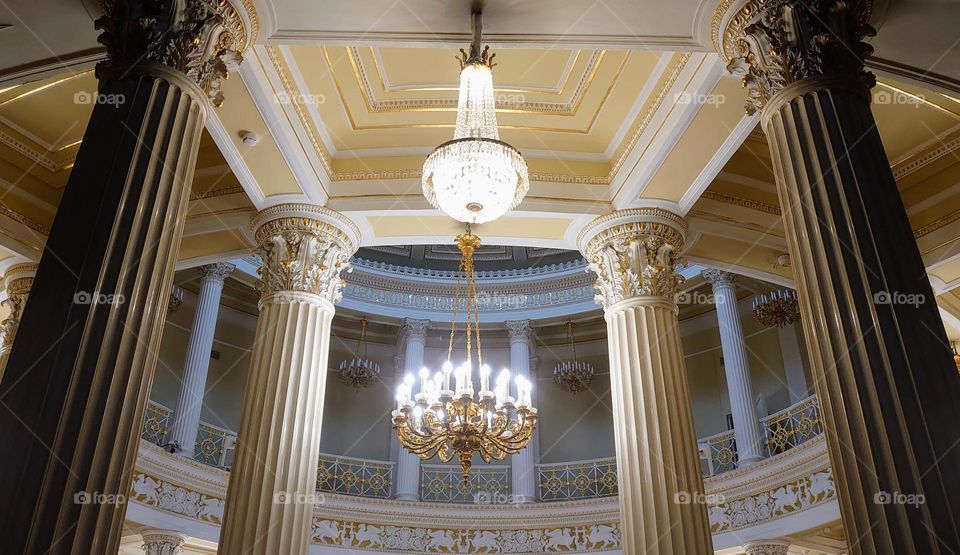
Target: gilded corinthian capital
x: 635, y: 253
x: 773, y: 44
x: 200, y: 39
x: 304, y: 248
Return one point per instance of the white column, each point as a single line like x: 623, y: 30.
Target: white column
x: 793, y: 363
x: 162, y: 542
x: 272, y: 489
x: 766, y: 547
x: 186, y: 417
x: 523, y: 466
x: 746, y: 427
x: 634, y: 253
x: 408, y: 464
x: 17, y: 281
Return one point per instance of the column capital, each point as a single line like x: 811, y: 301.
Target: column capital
x: 162, y: 542
x: 17, y: 281
x: 718, y: 277
x: 200, y: 39
x: 635, y: 253
x: 304, y: 248
x: 216, y: 272
x: 780, y: 45
x: 413, y: 328
x: 766, y: 547
x: 519, y: 330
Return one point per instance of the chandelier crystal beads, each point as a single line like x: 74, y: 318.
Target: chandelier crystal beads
x: 573, y: 375
x: 360, y: 372
x: 463, y: 417
x: 476, y: 177
x: 778, y: 308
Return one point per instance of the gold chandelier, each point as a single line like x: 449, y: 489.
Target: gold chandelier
x: 779, y: 309
x: 573, y: 375
x: 360, y: 371
x: 451, y: 422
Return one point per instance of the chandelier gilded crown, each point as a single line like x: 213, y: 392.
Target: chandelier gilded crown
x: 359, y: 371
x: 573, y: 375
x: 455, y: 419
x: 476, y: 177
x: 778, y: 308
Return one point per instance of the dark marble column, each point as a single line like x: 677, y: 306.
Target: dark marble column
x: 878, y: 351
x: 73, y: 395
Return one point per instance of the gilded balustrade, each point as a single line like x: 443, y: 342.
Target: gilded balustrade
x: 577, y: 480
x: 488, y: 484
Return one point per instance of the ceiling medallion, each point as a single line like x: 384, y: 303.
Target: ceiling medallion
x: 449, y: 420
x: 778, y: 308
x: 360, y: 372
x: 476, y: 177
x: 573, y: 375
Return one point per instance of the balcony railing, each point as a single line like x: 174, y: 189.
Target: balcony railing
x: 440, y: 483
x: 577, y: 480
x: 358, y: 477
x: 782, y: 431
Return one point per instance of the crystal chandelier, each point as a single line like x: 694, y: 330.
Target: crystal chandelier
x: 476, y: 177
x: 778, y: 309
x: 359, y: 371
x: 451, y: 419
x: 573, y: 375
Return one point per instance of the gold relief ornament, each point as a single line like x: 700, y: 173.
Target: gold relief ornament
x: 635, y: 253
x: 304, y: 248
x: 198, y: 38
x: 777, y: 43
x: 18, y: 281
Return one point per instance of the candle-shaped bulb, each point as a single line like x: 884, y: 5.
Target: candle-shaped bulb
x: 484, y: 378
x: 409, y: 379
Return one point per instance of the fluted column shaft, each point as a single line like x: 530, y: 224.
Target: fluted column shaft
x: 878, y: 352
x: 186, y: 418
x: 162, y: 542
x: 408, y: 464
x: 77, y: 381
x: 736, y: 365
x: 17, y: 281
x: 271, y: 493
x: 523, y: 466
x: 662, y: 504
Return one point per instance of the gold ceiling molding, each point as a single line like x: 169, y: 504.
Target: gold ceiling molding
x: 648, y: 116
x: 762, y: 229
x: 417, y: 174
x: 742, y: 202
x: 388, y: 89
x: 503, y: 104
x: 37, y: 156
x: 918, y: 161
x: 937, y: 224
x: 23, y: 220
x: 356, y: 127
x: 213, y: 193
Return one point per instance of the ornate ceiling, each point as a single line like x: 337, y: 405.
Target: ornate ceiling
x: 613, y: 107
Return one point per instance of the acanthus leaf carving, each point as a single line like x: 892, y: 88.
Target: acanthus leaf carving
x: 198, y: 38
x: 788, y: 41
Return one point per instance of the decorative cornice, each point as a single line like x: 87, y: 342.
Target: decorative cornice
x: 779, y: 43
x: 635, y: 253
x: 936, y: 224
x: 304, y: 248
x: 23, y: 220
x: 196, y: 38
x: 766, y: 547
x: 213, y: 193
x: 743, y: 202
x: 916, y: 163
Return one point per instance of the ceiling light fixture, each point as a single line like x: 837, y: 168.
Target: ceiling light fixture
x: 476, y: 177
x: 779, y: 309
x: 573, y: 375
x: 450, y: 420
x: 360, y: 371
